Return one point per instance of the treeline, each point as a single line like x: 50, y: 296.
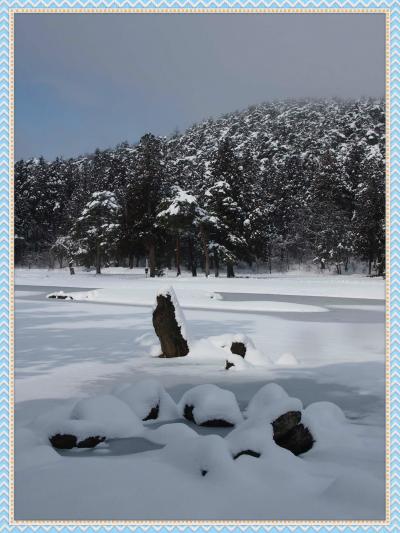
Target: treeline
x: 278, y: 183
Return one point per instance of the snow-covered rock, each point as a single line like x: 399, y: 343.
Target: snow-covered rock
x: 252, y: 355
x: 201, y: 456
x: 148, y: 399
x: 329, y: 426
x: 169, y: 433
x: 67, y: 434
x: 271, y: 402
x: 250, y: 436
x: 111, y: 413
x: 209, y: 405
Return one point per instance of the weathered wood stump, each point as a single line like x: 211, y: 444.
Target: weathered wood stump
x: 173, y: 343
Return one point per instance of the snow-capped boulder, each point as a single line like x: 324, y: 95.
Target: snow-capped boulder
x: 298, y: 440
x: 201, y: 456
x: 114, y: 415
x: 284, y: 423
x: 272, y: 404
x: 329, y: 426
x: 209, y: 405
x: 169, y: 433
x: 239, y: 349
x: 59, y: 296
x: 148, y: 399
x: 169, y: 325
x: 252, y: 438
x: 68, y: 434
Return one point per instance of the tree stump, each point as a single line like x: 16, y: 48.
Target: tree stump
x: 166, y: 326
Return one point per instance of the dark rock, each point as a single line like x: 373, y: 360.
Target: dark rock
x: 238, y: 348
x: 173, y: 344
x: 298, y: 440
x: 214, y: 423
x: 217, y: 423
x: 153, y: 414
x: 63, y: 442
x: 247, y: 452
x: 188, y: 413
x: 204, y: 472
x: 228, y: 365
x: 90, y: 442
x: 285, y: 423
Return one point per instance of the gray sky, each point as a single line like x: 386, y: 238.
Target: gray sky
x: 93, y: 80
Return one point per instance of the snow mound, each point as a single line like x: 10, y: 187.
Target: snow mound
x: 145, y: 396
x: 32, y: 449
x: 201, y: 456
x: 210, y: 403
x: 60, y: 295
x: 270, y: 402
x: 206, y: 352
x: 169, y: 433
x: 287, y: 359
x: 251, y: 436
x: 329, y: 426
x: 110, y: 413
x: 252, y: 357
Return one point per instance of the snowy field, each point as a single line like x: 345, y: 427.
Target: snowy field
x: 320, y: 337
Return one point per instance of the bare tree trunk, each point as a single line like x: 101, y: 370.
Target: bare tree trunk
x: 229, y: 270
x: 178, y: 256
x: 205, y: 252
x: 98, y: 260
x: 130, y: 260
x: 216, y: 261
x: 152, y: 259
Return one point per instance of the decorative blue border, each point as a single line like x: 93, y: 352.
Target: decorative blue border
x: 6, y: 302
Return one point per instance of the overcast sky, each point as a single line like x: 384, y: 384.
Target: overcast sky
x: 93, y: 80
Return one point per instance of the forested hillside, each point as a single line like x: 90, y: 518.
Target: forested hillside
x: 278, y: 184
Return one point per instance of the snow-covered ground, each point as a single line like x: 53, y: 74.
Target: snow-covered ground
x: 321, y: 337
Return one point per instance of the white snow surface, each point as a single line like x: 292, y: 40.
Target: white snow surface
x: 67, y: 351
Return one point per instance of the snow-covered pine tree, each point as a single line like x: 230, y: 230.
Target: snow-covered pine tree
x: 96, y: 230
